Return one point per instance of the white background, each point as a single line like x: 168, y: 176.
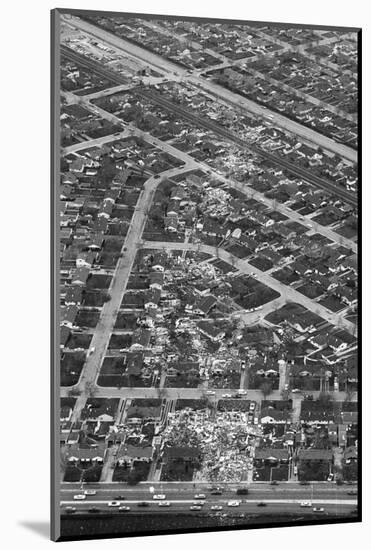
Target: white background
x: 25, y: 181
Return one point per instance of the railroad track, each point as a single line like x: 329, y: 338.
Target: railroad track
x: 201, y: 121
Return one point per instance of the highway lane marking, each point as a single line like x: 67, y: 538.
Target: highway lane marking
x: 242, y: 503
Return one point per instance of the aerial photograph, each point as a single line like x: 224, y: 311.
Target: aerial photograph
x: 208, y: 274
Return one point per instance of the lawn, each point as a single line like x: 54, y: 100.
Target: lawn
x: 87, y: 318
x: 71, y: 367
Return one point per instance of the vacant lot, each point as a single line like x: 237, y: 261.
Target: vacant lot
x: 71, y: 367
x: 119, y: 341
x: 126, y: 321
x: 87, y: 318
x: 98, y: 281
x: 79, y: 340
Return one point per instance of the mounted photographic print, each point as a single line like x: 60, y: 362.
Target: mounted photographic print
x: 205, y: 274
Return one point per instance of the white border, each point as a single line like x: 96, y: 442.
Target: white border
x: 25, y: 264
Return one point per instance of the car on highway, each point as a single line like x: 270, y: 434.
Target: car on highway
x: 113, y: 503
x: 90, y: 492
x: 159, y: 497
x: 79, y: 497
x: 195, y: 508
x: 227, y: 396
x: 304, y: 482
x: 143, y: 504
x: 217, y: 492
x: 352, y: 493
x: 242, y: 491
x: 70, y: 510
x: 120, y: 497
x: 261, y: 504
x: 216, y: 508
x: 164, y: 503
x: 198, y: 503
x: 274, y: 482
x: 200, y: 496
x: 233, y: 503
x: 318, y: 510
x: 93, y: 510
x: 124, y: 509
x: 305, y: 504
x: 210, y: 392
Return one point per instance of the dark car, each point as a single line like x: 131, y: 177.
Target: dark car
x: 216, y: 492
x: 274, y: 482
x: 261, y: 504
x: 303, y: 482
x: 120, y: 497
x: 143, y: 504
x: 242, y: 491
x: 352, y: 493
x: 94, y: 510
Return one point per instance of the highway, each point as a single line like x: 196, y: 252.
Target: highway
x: 201, y: 121
x: 285, y: 496
x: 171, y: 69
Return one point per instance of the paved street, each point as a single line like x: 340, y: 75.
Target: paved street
x: 248, y: 191
x: 103, y: 330
x: 243, y: 265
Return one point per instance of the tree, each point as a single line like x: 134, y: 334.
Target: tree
x: 134, y: 478
x: 266, y: 388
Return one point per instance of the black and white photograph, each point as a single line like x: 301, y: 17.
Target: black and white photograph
x: 205, y: 203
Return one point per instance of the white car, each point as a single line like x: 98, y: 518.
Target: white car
x: 124, y: 509
x: 226, y: 396
x: 159, y: 497
x: 198, y: 503
x: 200, y: 496
x: 90, y: 492
x: 79, y: 497
x: 164, y: 503
x: 305, y: 504
x: 216, y: 508
x: 210, y: 392
x: 252, y: 406
x: 233, y: 503
x: 114, y: 503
